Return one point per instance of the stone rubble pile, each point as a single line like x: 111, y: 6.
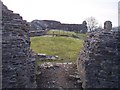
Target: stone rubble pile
x: 98, y: 62
x: 18, y: 70
x: 52, y: 65
x: 44, y: 57
x: 58, y: 76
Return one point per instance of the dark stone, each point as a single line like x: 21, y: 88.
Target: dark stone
x: 16, y: 54
x: 98, y: 62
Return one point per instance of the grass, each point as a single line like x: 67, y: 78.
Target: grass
x: 60, y: 32
x: 67, y: 48
x: 70, y: 34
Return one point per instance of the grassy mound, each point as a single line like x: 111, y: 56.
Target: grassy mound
x: 66, y: 48
x: 68, y: 33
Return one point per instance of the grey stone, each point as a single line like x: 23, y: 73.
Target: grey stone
x: 18, y: 70
x: 98, y: 62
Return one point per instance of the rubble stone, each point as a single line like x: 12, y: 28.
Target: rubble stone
x: 18, y: 64
x: 98, y: 62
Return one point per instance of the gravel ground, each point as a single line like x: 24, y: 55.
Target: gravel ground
x: 58, y: 75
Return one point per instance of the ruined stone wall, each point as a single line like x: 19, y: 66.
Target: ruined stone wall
x: 0, y: 45
x: 73, y: 27
x: 51, y: 24
x: 37, y: 33
x: 98, y: 62
x: 18, y: 64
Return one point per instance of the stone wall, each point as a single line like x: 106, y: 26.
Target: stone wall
x: 51, y: 24
x: 18, y: 64
x: 0, y: 45
x: 67, y: 27
x: 38, y: 25
x: 73, y: 27
x: 37, y: 33
x: 98, y: 62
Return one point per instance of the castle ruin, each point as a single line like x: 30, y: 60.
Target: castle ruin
x: 98, y: 62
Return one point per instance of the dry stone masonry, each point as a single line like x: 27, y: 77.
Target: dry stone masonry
x: 98, y: 63
x: 18, y: 64
x: 0, y: 46
x: 39, y: 25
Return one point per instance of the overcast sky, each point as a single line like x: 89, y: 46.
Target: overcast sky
x: 65, y: 11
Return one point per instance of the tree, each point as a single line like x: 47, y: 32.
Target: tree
x: 91, y: 23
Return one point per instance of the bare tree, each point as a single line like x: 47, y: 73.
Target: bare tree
x: 91, y: 23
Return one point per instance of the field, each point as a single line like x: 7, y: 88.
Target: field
x: 66, y: 48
